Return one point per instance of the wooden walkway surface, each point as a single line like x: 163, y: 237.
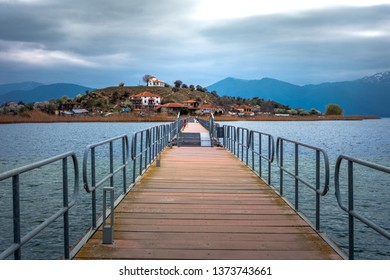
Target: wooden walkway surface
x: 203, y: 203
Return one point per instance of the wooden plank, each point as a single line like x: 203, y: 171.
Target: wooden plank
x: 203, y: 203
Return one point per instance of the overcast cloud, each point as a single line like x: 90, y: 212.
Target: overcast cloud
x: 101, y: 43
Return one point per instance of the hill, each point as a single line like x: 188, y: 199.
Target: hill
x: 6, y: 88
x: 366, y: 96
x: 44, y: 93
x: 169, y: 95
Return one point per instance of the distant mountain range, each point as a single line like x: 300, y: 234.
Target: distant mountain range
x: 367, y: 96
x: 18, y: 86
x: 34, y: 92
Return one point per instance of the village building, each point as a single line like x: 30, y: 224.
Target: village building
x: 154, y: 82
x: 145, y: 100
x: 207, y: 108
x: 171, y: 107
x: 192, y: 105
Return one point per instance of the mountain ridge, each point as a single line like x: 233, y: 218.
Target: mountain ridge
x: 369, y: 95
x: 29, y: 85
x: 44, y: 93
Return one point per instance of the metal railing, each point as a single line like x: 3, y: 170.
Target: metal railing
x: 248, y: 146
x: 148, y: 144
x: 90, y: 152
x: 352, y: 213
x: 18, y: 240
x: 211, y: 126
x: 319, y: 153
x: 255, y: 146
x: 230, y: 138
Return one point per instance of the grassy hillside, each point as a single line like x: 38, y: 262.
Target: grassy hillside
x: 168, y: 94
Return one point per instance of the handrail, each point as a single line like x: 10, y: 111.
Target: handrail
x: 241, y: 141
x: 147, y: 144
x: 298, y: 178
x: 19, y: 240
x: 229, y: 139
x: 352, y: 213
x: 90, y: 150
x: 258, y: 151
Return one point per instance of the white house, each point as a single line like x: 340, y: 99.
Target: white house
x: 154, y: 82
x: 145, y: 99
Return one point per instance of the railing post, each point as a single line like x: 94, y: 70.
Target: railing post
x: 281, y: 167
x: 134, y: 155
x: 296, y: 178
x: 108, y: 230
x: 260, y: 158
x: 65, y: 205
x: 111, y: 164
x: 141, y: 153
x: 93, y: 182
x: 350, y: 209
x: 124, y: 146
x: 318, y: 189
x: 269, y: 158
x: 16, y: 214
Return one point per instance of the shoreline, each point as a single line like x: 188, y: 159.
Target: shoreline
x: 39, y: 117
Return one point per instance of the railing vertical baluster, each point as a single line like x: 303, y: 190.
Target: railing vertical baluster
x: 281, y: 167
x: 93, y: 182
x: 269, y: 159
x: 65, y: 205
x: 350, y: 209
x: 16, y: 214
x: 247, y: 147
x: 124, y: 164
x: 253, y: 150
x: 141, y: 155
x: 318, y: 162
x: 111, y: 164
x: 134, y: 156
x: 260, y: 157
x: 296, y: 177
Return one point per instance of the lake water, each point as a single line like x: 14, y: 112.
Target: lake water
x: 22, y: 144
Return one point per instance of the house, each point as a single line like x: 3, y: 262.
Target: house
x: 207, y: 108
x: 192, y: 105
x: 154, y: 82
x: 145, y: 100
x: 241, y: 108
x: 171, y: 107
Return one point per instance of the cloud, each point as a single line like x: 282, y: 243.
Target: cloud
x: 116, y: 40
x: 323, y: 41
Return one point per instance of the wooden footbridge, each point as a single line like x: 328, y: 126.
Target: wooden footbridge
x: 192, y: 196
x: 201, y: 202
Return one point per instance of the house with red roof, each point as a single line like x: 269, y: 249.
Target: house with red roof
x: 145, y: 100
x: 154, y: 82
x: 171, y: 107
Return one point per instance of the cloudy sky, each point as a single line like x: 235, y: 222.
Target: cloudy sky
x: 100, y: 43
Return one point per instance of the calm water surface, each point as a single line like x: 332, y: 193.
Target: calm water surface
x: 26, y: 143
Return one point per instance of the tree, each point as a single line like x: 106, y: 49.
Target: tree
x: 146, y: 78
x: 178, y: 83
x: 333, y: 109
x: 199, y: 88
x: 121, y: 84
